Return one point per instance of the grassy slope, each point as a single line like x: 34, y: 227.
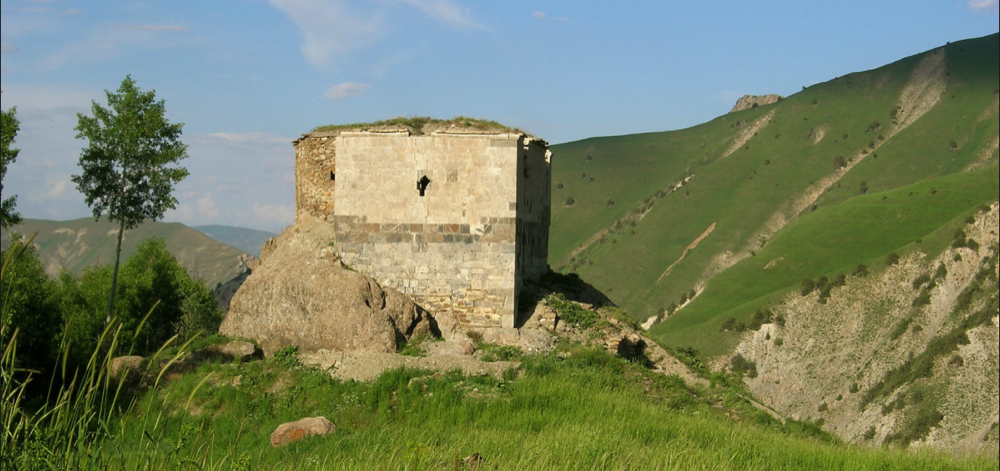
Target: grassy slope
x: 830, y: 241
x: 619, y: 416
x: 250, y: 241
x: 81, y: 243
x: 739, y: 193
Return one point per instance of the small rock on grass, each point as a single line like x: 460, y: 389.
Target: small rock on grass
x: 298, y: 430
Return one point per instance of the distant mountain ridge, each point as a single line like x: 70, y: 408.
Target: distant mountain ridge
x: 80, y: 243
x: 248, y: 240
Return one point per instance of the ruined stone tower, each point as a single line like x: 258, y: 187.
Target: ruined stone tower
x: 459, y: 221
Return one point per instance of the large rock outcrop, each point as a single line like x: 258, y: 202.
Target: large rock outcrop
x: 753, y: 101
x: 301, y: 295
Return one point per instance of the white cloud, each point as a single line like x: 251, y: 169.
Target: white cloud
x: 58, y: 189
x: 982, y: 4
x: 330, y: 28
x: 446, y: 11
x: 66, y: 12
x: 206, y: 207
x: 541, y: 15
x: 232, y: 138
x: 345, y: 90
x: 45, y: 97
x: 274, y: 214
x: 140, y: 27
x: 114, y: 40
x: 8, y: 48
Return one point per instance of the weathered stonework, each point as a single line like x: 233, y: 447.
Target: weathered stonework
x: 465, y: 243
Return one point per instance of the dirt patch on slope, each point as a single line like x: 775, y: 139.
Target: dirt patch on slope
x: 690, y: 247
x: 748, y: 133
x: 926, y: 87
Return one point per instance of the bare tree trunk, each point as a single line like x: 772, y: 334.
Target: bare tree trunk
x: 114, y: 275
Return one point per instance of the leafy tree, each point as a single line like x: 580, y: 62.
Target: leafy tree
x: 30, y: 307
x: 153, y: 275
x: 150, y: 275
x: 10, y: 126
x: 128, y: 173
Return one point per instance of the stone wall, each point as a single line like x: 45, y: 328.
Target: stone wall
x: 479, y: 229
x: 533, y: 210
x: 315, y: 172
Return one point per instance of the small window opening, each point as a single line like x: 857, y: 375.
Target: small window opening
x: 333, y: 177
x: 422, y: 184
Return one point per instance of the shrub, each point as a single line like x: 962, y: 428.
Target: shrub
x: 900, y: 328
x: 891, y: 259
x: 570, y: 201
x: 839, y: 162
x: 861, y: 270
x: 742, y: 366
x: 732, y: 325
x: 610, y: 202
x: 560, y: 186
x: 760, y: 318
x: 921, y: 280
x: 493, y: 352
x: 840, y: 280
x: 287, y: 357
x: 779, y: 342
x: 808, y: 286
x: 670, y: 309
x: 952, y: 144
x: 923, y: 299
x: 570, y: 312
x: 863, y: 188
x: 941, y: 272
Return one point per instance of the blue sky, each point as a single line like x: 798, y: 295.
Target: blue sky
x: 248, y: 76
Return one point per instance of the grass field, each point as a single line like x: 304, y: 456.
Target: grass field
x: 576, y: 409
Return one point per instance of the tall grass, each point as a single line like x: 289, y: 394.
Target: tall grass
x: 82, y: 406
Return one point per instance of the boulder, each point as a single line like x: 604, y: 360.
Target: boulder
x: 238, y: 350
x: 127, y: 365
x: 300, y: 429
x: 301, y: 295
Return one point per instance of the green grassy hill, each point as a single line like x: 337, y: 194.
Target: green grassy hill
x: 80, y: 243
x: 651, y: 218
x: 250, y: 241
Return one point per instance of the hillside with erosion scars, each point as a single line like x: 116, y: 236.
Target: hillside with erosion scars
x: 924, y: 89
x: 803, y: 371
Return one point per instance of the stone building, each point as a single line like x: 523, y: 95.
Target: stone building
x: 459, y: 221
